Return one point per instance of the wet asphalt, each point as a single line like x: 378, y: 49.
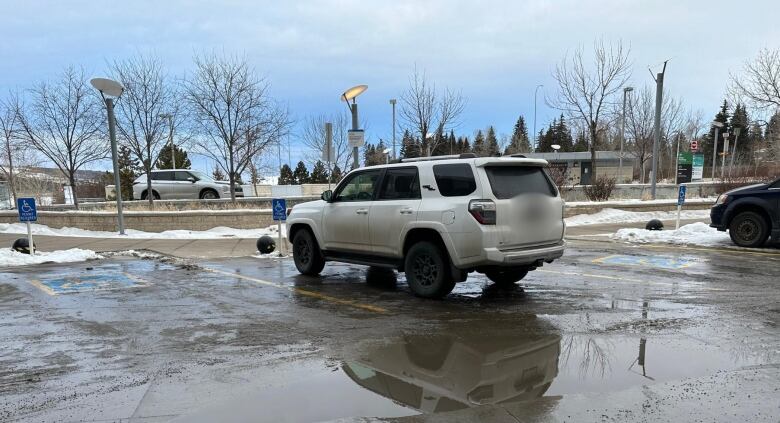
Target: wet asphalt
x: 611, y: 332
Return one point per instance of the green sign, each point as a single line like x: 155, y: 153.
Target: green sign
x: 698, y: 166
x: 685, y: 158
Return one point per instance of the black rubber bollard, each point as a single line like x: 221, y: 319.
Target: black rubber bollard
x: 22, y: 245
x: 654, y: 225
x: 266, y: 244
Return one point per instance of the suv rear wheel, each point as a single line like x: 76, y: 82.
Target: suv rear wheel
x: 209, y: 194
x: 306, y: 253
x: 427, y: 271
x: 749, y: 229
x: 508, y: 276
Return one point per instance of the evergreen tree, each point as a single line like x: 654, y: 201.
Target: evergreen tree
x: 165, y: 161
x: 286, y: 176
x: 319, y: 174
x: 741, y: 120
x: 369, y: 151
x: 723, y: 117
x: 479, y: 144
x: 547, y: 138
x: 335, y: 175
x: 466, y: 146
x: 300, y: 174
x: 410, y: 146
x: 519, y: 142
x: 129, y: 169
x: 491, y: 143
x: 581, y: 144
x: 217, y: 174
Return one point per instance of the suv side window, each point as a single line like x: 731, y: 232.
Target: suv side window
x: 776, y: 185
x: 358, y: 187
x: 181, y: 175
x: 454, y: 180
x: 400, y: 184
x: 162, y: 176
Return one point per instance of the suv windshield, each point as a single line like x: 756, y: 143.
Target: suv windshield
x: 511, y: 181
x: 200, y: 175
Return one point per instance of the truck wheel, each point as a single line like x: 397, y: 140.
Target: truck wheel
x: 209, y: 194
x: 427, y: 271
x: 508, y: 276
x: 749, y: 229
x: 306, y: 253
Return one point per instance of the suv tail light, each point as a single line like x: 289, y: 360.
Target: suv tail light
x: 484, y: 211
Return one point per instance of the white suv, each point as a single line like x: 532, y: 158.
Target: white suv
x: 182, y: 185
x: 437, y: 219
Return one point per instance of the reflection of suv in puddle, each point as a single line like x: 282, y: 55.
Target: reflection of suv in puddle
x: 446, y: 373
x: 436, y: 219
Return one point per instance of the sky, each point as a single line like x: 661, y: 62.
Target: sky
x: 494, y: 53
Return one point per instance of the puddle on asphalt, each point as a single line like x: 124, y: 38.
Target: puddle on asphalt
x: 470, y: 366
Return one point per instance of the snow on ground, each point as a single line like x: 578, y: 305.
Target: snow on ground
x: 635, y: 201
x: 9, y: 257
x: 623, y: 216
x: 693, y: 234
x: 214, y: 233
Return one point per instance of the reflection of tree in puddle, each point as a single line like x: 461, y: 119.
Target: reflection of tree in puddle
x: 593, y: 354
x: 462, y: 367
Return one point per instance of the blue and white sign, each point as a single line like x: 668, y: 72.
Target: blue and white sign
x: 279, y: 206
x: 27, y: 210
x: 681, y: 195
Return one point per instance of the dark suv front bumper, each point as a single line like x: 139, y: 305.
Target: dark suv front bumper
x: 717, y: 214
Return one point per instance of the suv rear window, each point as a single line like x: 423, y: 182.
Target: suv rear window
x: 162, y: 176
x: 511, y: 181
x: 454, y: 180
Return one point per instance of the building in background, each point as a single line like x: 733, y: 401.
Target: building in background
x: 578, y: 166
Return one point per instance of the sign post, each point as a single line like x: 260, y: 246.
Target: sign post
x: 28, y: 213
x: 680, y: 202
x: 279, y: 207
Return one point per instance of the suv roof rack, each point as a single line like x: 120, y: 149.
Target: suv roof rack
x: 447, y: 157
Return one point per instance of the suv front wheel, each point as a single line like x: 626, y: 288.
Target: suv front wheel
x: 506, y: 276
x: 749, y: 229
x: 427, y: 271
x: 306, y: 253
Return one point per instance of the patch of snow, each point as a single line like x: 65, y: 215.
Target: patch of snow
x: 9, y: 257
x: 694, y: 234
x: 623, y: 216
x: 214, y: 233
x: 134, y: 253
x: 634, y: 201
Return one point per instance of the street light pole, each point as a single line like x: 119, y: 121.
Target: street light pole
x: 723, y: 154
x: 659, y: 94
x: 536, y: 140
x: 737, y: 130
x: 109, y: 90
x: 170, y: 137
x: 626, y: 91
x: 392, y: 103
x: 717, y: 126
x: 354, y: 110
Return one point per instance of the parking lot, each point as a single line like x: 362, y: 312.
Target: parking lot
x: 609, y: 332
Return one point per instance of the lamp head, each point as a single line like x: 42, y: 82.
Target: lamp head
x: 353, y: 92
x: 107, y: 86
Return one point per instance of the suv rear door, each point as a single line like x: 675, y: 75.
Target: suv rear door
x: 163, y: 183
x: 528, y: 208
x: 345, y: 217
x: 395, y: 207
x: 183, y: 186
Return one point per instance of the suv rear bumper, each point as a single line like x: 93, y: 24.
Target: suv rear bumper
x: 519, y: 257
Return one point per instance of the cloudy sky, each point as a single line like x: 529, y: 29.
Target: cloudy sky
x: 494, y: 52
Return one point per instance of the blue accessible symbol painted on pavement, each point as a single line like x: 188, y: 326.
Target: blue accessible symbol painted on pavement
x: 279, y: 207
x: 27, y: 210
x: 659, y: 262
x: 97, y: 282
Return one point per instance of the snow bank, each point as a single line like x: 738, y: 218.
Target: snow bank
x: 214, y: 233
x: 9, y: 257
x: 623, y: 216
x: 635, y: 201
x: 694, y: 234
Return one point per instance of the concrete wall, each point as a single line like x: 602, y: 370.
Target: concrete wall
x: 642, y: 191
x: 252, y: 203
x: 200, y: 220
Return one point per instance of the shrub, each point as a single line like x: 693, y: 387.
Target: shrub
x: 601, y: 189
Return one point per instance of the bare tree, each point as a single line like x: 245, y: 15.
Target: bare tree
x: 313, y: 137
x: 232, y: 113
x: 11, y: 147
x: 759, y: 81
x: 427, y: 111
x: 586, y: 91
x: 65, y: 121
x: 141, y: 121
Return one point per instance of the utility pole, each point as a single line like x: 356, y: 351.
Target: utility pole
x: 659, y: 92
x: 392, y: 103
x: 737, y: 130
x: 626, y: 92
x: 536, y: 140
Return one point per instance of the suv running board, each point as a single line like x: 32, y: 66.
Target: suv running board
x: 366, y: 260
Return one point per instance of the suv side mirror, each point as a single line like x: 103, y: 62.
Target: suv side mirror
x: 191, y: 179
x: 327, y: 195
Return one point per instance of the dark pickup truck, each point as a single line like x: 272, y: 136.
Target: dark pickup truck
x: 751, y: 214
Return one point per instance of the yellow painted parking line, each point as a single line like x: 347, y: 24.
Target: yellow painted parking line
x: 302, y: 291
x: 589, y: 275
x: 36, y: 283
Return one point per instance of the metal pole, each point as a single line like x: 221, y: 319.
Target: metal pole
x: 723, y: 157
x: 114, y: 155
x: 659, y: 92
x: 536, y: 140
x: 392, y: 102
x: 734, y: 152
x: 677, y: 159
x: 328, y: 147
x: 170, y: 137
x: 622, y: 134
x: 30, y: 239
x: 354, y: 110
x: 715, y: 151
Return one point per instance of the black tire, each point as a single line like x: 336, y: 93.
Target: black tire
x: 145, y: 195
x: 749, y: 229
x: 209, y: 194
x: 427, y: 271
x: 306, y: 253
x: 508, y: 276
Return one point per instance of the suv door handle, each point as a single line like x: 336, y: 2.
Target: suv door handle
x: 361, y: 211
x: 406, y: 211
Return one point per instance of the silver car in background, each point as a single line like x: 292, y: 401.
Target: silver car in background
x: 182, y: 185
